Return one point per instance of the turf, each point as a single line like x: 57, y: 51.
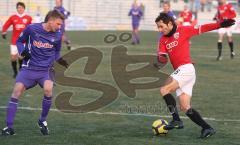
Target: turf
x: 128, y: 120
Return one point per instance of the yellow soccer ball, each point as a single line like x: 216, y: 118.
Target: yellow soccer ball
x: 158, y: 127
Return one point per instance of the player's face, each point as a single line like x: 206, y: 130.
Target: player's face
x: 221, y: 2
x: 58, y: 3
x: 166, y: 8
x: 164, y: 28
x: 20, y: 9
x: 55, y: 24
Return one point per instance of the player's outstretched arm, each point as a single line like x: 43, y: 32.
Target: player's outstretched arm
x: 6, y: 25
x: 209, y: 27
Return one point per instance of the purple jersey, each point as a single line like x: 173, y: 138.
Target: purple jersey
x: 136, y: 14
x: 43, y: 46
x: 171, y: 14
x: 63, y: 11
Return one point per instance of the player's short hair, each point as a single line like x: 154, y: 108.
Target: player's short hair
x: 20, y: 4
x: 165, y: 18
x: 54, y: 14
x: 167, y: 3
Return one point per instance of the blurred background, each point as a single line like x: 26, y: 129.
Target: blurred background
x: 111, y: 14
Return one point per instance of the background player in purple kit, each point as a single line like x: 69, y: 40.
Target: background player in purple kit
x: 43, y: 44
x: 66, y: 14
x: 136, y: 14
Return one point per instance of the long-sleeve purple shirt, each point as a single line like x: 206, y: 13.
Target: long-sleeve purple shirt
x: 136, y: 14
x: 43, y: 46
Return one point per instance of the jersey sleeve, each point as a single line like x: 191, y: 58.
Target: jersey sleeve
x: 197, y: 30
x: 22, y: 39
x: 161, y: 48
x: 30, y: 20
x: 6, y: 25
x: 130, y: 12
x: 58, y: 49
x: 232, y: 13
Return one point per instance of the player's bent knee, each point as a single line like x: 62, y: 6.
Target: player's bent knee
x: 163, y: 91
x: 48, y: 92
x: 16, y: 94
x: 18, y: 90
x: 14, y: 57
x: 185, y: 108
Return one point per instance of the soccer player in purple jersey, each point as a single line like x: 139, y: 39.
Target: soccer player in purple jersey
x: 136, y: 14
x: 66, y: 14
x: 42, y: 47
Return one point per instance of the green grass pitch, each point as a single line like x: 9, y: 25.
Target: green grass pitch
x: 127, y: 121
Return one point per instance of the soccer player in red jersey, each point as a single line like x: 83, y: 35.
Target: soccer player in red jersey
x: 186, y: 16
x: 225, y: 11
x: 19, y: 22
x: 175, y: 44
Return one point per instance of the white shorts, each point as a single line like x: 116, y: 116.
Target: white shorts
x: 13, y: 50
x: 225, y: 30
x: 186, y: 77
x: 186, y: 24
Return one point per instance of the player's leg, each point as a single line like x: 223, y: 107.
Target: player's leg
x: 14, y: 57
x: 230, y: 42
x: 137, y: 35
x: 170, y: 86
x: 185, y: 101
x: 47, y: 85
x: 47, y: 99
x: 12, y: 108
x: 134, y: 37
x: 221, y: 32
x: 24, y: 80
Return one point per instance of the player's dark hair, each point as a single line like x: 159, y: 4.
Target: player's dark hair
x: 20, y: 4
x: 165, y: 18
x: 54, y: 14
x: 167, y: 3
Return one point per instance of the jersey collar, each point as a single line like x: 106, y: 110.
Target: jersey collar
x: 21, y: 15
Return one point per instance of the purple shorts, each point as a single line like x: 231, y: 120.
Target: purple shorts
x: 135, y: 25
x: 31, y: 78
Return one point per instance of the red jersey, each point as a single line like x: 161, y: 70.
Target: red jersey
x: 186, y: 15
x: 225, y: 11
x: 19, y: 23
x: 177, y: 46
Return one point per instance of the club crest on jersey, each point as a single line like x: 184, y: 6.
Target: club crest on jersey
x: 176, y: 35
x: 25, y: 21
x: 40, y: 44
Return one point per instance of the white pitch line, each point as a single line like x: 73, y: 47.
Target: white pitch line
x: 128, y: 114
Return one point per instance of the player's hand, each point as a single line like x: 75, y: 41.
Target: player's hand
x: 4, y: 36
x: 26, y: 55
x: 227, y: 23
x: 63, y: 62
x: 158, y: 65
